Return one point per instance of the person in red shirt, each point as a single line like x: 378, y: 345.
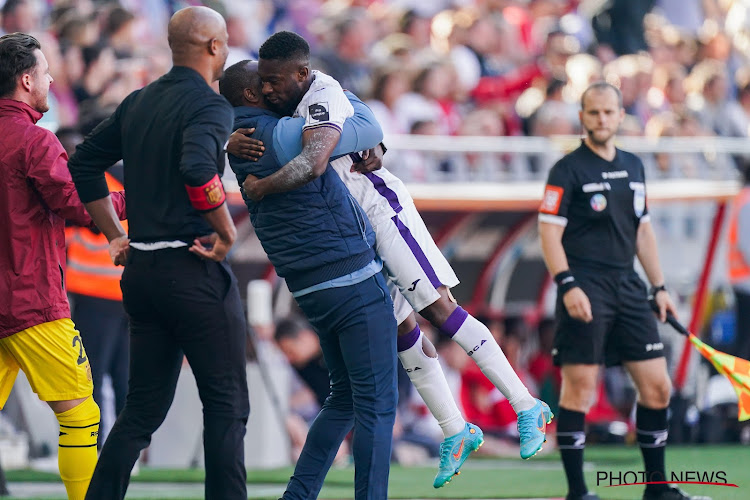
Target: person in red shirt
x: 37, y: 196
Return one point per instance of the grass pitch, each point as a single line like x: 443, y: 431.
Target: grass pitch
x: 540, y: 477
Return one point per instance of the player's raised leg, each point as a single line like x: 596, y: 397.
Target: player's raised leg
x: 475, y: 338
x: 419, y: 358
x: 423, y: 276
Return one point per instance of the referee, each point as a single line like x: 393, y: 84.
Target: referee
x: 180, y: 296
x: 593, y: 221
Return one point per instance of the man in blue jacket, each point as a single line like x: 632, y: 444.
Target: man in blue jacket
x: 321, y: 242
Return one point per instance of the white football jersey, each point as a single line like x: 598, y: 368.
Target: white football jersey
x: 380, y: 194
x: 324, y: 104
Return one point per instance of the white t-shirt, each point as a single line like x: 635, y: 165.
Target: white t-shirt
x: 324, y: 104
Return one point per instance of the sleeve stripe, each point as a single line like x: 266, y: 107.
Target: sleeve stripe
x: 553, y: 219
x: 322, y: 125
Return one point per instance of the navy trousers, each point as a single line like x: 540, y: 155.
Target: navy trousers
x: 357, y: 333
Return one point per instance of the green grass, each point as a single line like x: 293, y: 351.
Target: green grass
x: 541, y: 477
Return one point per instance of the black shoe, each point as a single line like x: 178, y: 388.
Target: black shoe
x: 586, y: 496
x: 671, y: 493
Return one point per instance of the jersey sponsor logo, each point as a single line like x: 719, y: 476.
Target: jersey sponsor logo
x: 413, y: 286
x: 409, y: 370
x: 617, y: 174
x: 656, y: 346
x: 592, y: 187
x: 319, y: 111
x: 552, y: 198
x: 598, y: 202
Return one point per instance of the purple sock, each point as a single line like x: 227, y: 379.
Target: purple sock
x: 454, y: 321
x: 404, y: 342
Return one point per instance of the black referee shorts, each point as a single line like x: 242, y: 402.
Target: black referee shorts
x: 623, y: 328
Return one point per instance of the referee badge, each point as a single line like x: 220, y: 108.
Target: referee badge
x: 598, y: 202
x: 552, y: 198
x: 639, y: 198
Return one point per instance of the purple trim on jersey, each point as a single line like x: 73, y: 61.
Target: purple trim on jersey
x: 405, y: 342
x: 385, y: 191
x: 416, y: 250
x: 454, y: 321
x: 322, y: 125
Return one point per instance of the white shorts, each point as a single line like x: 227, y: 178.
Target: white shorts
x: 413, y: 262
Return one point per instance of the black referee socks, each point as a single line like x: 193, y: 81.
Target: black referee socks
x: 651, y: 426
x: 571, y: 439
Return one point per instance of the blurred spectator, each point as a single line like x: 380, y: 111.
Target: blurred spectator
x: 485, y: 167
x: 300, y: 345
x: 620, y: 25
x: 19, y: 15
x: 99, y: 67
x: 417, y: 25
x: 310, y: 387
x: 715, y: 111
x: 389, y: 84
x: 119, y: 31
x: 75, y: 29
x: 431, y: 98
x: 345, y: 58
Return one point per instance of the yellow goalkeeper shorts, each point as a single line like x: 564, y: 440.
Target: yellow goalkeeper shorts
x: 52, y: 357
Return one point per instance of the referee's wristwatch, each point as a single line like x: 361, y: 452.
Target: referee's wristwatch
x: 656, y: 289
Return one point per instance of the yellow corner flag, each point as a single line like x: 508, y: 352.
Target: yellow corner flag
x: 737, y: 370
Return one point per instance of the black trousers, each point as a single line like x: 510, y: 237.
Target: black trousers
x: 179, y: 303
x: 104, y: 328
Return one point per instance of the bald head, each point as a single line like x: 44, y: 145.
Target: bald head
x: 197, y: 33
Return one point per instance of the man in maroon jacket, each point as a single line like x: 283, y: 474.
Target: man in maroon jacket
x: 37, y: 195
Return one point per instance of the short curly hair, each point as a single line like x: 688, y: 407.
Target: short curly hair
x: 285, y: 46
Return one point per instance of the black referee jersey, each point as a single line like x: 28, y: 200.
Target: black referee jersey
x: 600, y: 203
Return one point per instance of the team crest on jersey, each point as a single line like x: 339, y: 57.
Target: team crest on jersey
x: 598, y: 202
x: 319, y: 111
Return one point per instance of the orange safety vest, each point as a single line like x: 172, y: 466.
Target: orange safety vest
x: 739, y: 270
x: 90, y: 270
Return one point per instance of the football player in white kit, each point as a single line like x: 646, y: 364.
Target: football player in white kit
x: 420, y: 276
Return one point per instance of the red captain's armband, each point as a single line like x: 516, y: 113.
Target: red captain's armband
x: 208, y: 196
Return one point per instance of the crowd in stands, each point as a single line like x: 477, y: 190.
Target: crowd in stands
x: 445, y: 67
x: 440, y: 67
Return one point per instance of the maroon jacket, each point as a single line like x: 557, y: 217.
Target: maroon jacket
x: 37, y: 195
